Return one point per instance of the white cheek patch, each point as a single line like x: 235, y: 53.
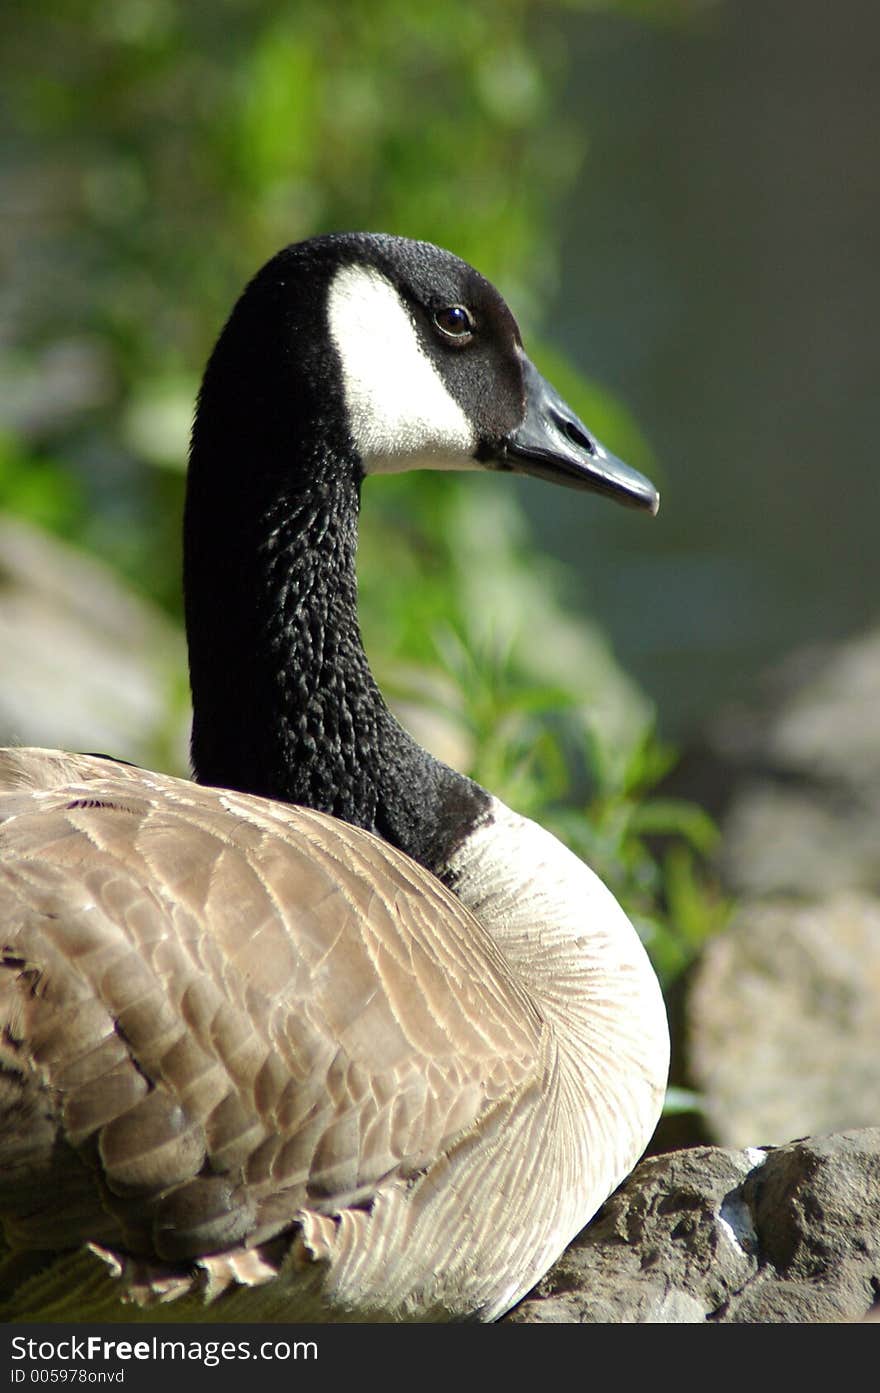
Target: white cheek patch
x: 400, y: 413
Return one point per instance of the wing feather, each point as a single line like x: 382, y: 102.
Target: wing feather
x: 225, y: 1010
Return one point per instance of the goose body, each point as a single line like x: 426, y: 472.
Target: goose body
x: 330, y: 1033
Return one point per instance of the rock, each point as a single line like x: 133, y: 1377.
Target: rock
x: 781, y: 1017
x: 779, y: 841
x: 783, y: 1021
x: 87, y: 665
x: 803, y: 767
x: 789, y: 1234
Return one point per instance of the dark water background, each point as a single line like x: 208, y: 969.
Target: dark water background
x: 722, y: 274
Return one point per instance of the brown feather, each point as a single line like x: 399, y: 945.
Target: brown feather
x: 231, y: 1009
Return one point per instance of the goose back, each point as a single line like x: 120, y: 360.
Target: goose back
x: 240, y: 1014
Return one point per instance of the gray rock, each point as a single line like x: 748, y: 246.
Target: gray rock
x: 781, y: 1017
x: 87, y: 665
x: 780, y: 1235
x: 808, y: 841
x: 783, y: 1021
x: 804, y: 766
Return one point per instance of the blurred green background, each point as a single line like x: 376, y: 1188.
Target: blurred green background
x: 665, y: 192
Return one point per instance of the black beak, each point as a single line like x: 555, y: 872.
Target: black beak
x: 553, y: 444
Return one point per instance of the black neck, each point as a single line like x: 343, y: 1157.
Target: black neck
x: 284, y: 701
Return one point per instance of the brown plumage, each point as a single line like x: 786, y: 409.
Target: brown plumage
x: 201, y: 979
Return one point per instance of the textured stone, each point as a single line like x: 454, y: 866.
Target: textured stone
x: 782, y: 1235
x: 87, y: 664
x: 803, y: 764
x: 783, y: 1021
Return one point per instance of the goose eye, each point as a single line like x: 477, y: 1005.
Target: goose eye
x: 454, y: 321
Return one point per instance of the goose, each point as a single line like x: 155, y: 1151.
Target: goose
x: 328, y: 1033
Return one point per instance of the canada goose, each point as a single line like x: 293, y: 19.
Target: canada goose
x: 378, y: 1056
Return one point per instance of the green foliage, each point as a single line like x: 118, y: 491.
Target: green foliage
x: 39, y: 489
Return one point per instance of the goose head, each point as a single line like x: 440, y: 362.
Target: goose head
x: 397, y: 355
x: 435, y: 376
